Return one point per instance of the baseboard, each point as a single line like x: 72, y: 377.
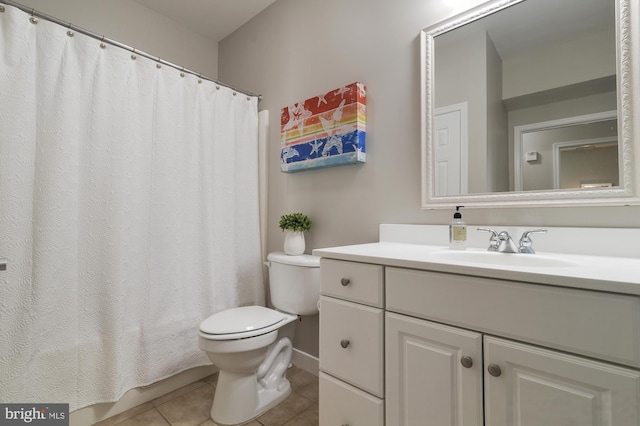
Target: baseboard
x: 305, y: 361
x: 134, y: 397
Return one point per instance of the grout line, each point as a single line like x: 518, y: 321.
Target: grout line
x: 163, y: 416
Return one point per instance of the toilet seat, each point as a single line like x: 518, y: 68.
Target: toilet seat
x: 242, y: 322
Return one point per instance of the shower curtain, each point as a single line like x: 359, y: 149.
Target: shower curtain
x: 128, y: 213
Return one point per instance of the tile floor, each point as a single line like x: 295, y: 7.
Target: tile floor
x: 190, y: 406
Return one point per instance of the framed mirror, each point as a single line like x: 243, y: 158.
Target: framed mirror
x: 531, y: 103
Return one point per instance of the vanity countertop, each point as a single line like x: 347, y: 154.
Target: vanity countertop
x: 601, y: 273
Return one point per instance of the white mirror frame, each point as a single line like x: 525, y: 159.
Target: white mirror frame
x: 628, y: 105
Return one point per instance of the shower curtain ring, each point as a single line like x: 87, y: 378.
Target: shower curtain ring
x: 158, y: 65
x: 70, y: 32
x: 182, y: 72
x: 133, y: 54
x: 33, y: 19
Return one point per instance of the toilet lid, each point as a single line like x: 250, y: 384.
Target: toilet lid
x: 241, y: 320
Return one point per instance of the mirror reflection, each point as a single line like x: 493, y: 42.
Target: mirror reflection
x: 580, y: 152
x: 525, y: 100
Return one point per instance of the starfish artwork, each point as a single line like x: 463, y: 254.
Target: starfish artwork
x: 324, y: 130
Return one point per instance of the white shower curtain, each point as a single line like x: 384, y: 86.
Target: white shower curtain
x: 128, y: 213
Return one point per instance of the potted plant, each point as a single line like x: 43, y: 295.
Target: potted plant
x: 294, y: 226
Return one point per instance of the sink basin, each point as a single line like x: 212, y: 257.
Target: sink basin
x: 489, y: 258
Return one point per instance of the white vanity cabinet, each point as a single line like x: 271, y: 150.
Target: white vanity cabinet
x: 436, y: 371
x: 351, y: 344
x: 440, y: 348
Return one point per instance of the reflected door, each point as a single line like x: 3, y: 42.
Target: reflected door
x: 450, y: 165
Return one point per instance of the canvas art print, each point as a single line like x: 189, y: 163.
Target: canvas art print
x: 326, y: 130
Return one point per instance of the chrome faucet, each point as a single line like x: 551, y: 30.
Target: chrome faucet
x: 493, y: 239
x: 503, y: 243
x: 525, y: 244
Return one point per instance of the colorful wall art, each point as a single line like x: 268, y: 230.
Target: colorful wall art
x: 326, y: 130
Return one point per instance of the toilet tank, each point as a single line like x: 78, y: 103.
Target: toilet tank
x: 294, y: 283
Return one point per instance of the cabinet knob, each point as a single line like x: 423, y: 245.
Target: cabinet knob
x: 494, y: 370
x: 344, y: 343
x: 345, y: 281
x: 466, y: 361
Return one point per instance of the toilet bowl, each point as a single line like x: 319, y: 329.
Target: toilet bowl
x: 252, y: 345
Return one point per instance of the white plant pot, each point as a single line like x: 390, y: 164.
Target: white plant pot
x: 294, y: 242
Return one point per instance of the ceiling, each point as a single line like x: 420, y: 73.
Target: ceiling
x: 526, y: 24
x: 214, y: 19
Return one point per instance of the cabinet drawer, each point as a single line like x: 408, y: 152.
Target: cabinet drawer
x: 360, y: 329
x: 596, y: 324
x: 358, y: 282
x: 341, y: 404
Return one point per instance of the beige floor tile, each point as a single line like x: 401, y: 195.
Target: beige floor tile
x: 309, y: 417
x: 118, y: 418
x: 189, y: 409
x: 176, y: 393
x: 306, y: 384
x: 293, y: 370
x: 148, y: 418
x: 285, y: 411
x: 212, y: 379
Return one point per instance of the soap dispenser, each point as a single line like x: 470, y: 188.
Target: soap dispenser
x: 457, y: 231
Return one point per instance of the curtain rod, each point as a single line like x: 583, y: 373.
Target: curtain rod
x: 36, y: 13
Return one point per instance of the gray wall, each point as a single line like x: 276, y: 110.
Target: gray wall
x: 296, y: 49
x: 498, y: 152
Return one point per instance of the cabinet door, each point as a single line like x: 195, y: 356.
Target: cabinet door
x: 426, y: 381
x: 530, y: 386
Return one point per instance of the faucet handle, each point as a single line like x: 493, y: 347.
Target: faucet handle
x: 493, y: 239
x: 526, y: 245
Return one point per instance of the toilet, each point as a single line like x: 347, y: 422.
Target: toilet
x: 252, y: 345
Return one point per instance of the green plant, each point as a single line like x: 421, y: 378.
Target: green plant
x: 295, y: 222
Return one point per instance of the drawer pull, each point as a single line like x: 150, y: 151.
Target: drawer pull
x: 466, y: 361
x: 344, y: 343
x: 345, y: 282
x: 494, y: 370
